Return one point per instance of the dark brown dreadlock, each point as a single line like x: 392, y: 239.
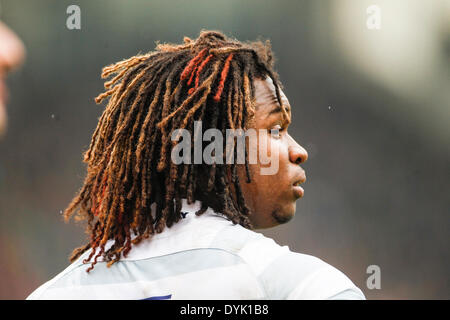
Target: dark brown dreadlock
x: 129, y: 168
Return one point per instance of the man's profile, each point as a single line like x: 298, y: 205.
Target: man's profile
x: 185, y: 231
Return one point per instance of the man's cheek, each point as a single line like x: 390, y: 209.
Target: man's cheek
x: 269, y: 155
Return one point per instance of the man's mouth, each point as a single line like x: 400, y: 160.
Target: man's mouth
x: 296, y: 184
x: 298, y: 191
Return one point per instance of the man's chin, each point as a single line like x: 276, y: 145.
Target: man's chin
x: 282, y: 217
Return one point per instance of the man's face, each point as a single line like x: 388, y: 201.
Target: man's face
x: 11, y: 54
x: 272, y: 197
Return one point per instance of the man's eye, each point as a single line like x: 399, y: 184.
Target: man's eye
x: 276, y: 131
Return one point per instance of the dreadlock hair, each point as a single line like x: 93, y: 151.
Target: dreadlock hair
x: 131, y: 184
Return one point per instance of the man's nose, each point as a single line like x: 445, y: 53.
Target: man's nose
x: 12, y: 50
x: 297, y: 154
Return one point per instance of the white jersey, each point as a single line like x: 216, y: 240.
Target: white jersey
x: 203, y: 257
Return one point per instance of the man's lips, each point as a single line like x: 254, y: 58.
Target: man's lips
x: 298, y: 191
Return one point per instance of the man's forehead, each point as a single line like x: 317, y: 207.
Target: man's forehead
x: 265, y: 92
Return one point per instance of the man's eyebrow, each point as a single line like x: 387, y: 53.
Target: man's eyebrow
x: 278, y: 109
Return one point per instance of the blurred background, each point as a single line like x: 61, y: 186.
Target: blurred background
x: 371, y: 106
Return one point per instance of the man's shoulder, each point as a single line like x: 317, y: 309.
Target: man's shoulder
x: 255, y: 248
x: 286, y: 274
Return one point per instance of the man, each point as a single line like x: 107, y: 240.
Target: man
x: 162, y: 230
x: 11, y: 55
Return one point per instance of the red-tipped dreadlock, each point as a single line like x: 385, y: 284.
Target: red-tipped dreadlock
x: 223, y: 76
x: 193, y: 64
x: 199, y: 70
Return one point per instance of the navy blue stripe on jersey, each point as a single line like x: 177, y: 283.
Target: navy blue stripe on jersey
x: 159, y: 297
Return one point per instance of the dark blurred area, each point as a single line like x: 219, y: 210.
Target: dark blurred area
x: 372, y: 108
